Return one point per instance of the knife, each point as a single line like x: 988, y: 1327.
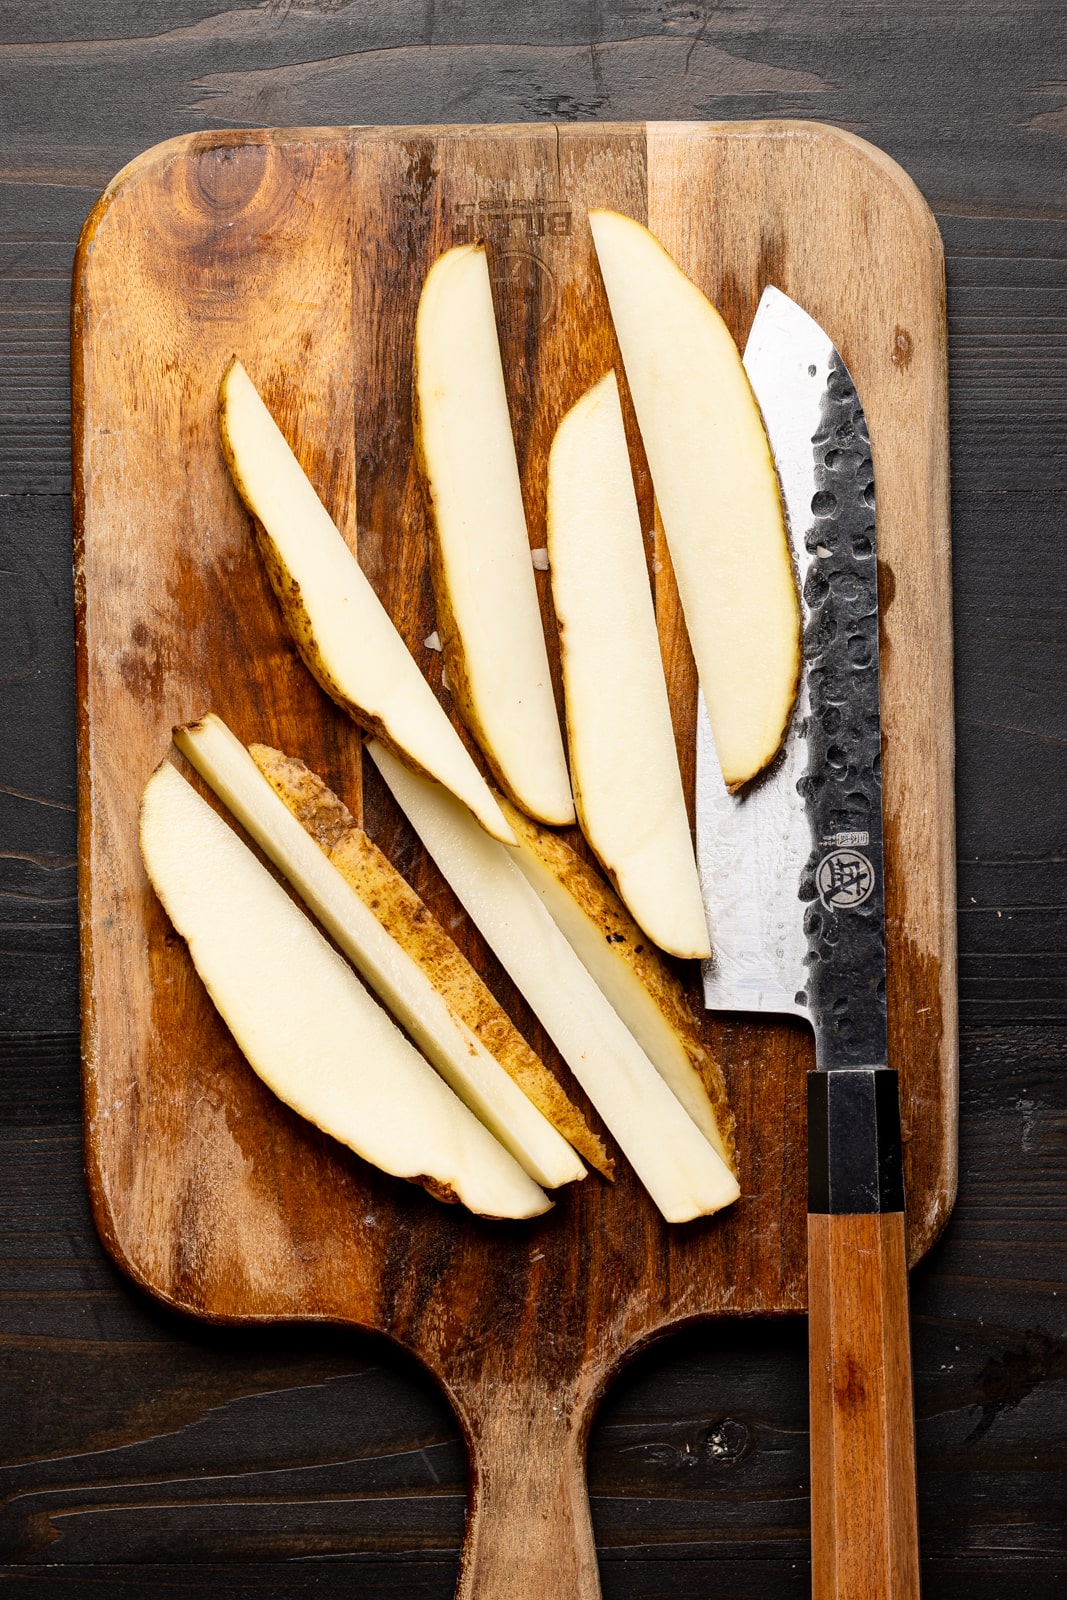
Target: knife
x: 791, y: 871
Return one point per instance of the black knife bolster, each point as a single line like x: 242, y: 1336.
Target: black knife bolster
x: 855, y: 1156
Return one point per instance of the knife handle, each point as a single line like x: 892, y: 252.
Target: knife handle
x: 864, y: 1524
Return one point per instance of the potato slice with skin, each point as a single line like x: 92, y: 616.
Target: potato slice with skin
x: 624, y: 765
x: 404, y: 915
x: 304, y: 1021
x: 634, y: 977
x: 460, y: 1057
x: 488, y: 615
x: 717, y: 492
x: 339, y: 625
x: 684, y: 1174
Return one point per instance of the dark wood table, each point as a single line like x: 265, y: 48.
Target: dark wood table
x: 141, y: 1453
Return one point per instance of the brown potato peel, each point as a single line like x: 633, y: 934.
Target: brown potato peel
x: 403, y: 914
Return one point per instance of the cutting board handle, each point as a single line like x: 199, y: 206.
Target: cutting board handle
x: 864, y: 1535
x: 529, y: 1533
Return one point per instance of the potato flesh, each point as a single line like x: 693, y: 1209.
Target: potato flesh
x: 682, y: 1172
x: 341, y: 628
x: 488, y: 613
x: 327, y: 820
x: 460, y: 1057
x: 303, y: 1020
x: 624, y: 765
x: 633, y: 977
x: 717, y: 492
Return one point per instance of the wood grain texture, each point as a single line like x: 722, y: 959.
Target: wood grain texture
x: 141, y: 1450
x: 305, y: 254
x: 529, y: 1530
x: 864, y: 1533
x: 971, y: 106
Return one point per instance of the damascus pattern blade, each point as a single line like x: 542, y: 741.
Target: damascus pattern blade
x: 791, y: 867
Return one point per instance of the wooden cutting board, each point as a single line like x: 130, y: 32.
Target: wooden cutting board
x: 304, y: 251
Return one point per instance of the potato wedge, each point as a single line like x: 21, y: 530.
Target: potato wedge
x: 403, y: 914
x: 487, y: 608
x: 624, y: 764
x: 461, y: 1059
x: 717, y: 492
x: 303, y: 1020
x: 340, y: 627
x: 631, y: 972
x: 682, y: 1171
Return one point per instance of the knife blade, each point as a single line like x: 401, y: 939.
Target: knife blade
x: 791, y: 867
x: 792, y: 875
x: 810, y: 828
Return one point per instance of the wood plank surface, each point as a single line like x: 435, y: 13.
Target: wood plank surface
x: 293, y: 251
x: 135, y: 1446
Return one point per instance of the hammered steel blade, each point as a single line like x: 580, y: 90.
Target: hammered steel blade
x: 791, y: 866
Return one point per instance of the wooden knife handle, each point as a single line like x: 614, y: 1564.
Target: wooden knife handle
x: 529, y: 1532
x: 864, y: 1527
x: 864, y: 1531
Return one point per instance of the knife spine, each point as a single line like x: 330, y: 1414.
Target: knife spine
x: 842, y: 885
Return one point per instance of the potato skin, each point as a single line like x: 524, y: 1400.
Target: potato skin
x: 404, y: 915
